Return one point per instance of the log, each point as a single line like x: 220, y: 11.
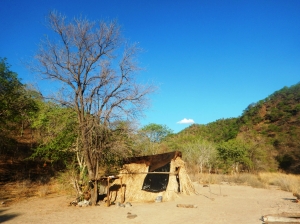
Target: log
x: 270, y: 219
x: 187, y: 206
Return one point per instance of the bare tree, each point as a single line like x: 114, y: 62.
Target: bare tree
x: 96, y: 70
x: 202, y: 153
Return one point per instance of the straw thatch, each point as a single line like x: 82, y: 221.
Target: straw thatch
x: 132, y: 177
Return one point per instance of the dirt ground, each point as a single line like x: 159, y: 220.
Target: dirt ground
x: 215, y: 204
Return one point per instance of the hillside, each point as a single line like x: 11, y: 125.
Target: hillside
x: 272, y: 123
x: 277, y: 118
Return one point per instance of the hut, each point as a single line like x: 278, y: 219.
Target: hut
x: 146, y: 178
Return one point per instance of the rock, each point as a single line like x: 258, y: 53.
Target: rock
x: 84, y: 203
x: 158, y: 199
x: 120, y: 205
x: 131, y: 216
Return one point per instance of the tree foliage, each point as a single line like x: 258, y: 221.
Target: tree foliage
x: 17, y: 105
x: 217, y: 131
x: 156, y: 132
x: 56, y: 132
x: 232, y: 153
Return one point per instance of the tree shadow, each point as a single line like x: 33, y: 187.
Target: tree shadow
x: 7, y: 217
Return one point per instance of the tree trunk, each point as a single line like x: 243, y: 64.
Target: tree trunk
x: 94, y: 193
x: 91, y: 164
x: 209, y: 168
x: 201, y: 167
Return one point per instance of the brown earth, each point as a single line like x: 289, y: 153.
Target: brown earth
x: 215, y: 204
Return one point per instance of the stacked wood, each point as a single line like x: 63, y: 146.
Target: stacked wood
x: 282, y: 218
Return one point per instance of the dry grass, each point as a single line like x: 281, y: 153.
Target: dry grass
x: 16, y: 191
x: 285, y: 182
x: 64, y: 183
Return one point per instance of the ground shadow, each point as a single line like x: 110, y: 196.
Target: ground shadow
x: 6, y: 217
x: 291, y: 199
x: 113, y: 193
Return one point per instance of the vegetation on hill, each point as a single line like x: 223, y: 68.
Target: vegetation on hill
x: 277, y: 119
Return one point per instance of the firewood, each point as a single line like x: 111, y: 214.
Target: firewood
x: 270, y: 219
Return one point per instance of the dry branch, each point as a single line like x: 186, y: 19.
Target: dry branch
x: 187, y: 206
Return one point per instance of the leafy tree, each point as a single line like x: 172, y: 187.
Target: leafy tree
x: 11, y: 91
x: 233, y: 153
x: 150, y: 136
x: 56, y: 132
x: 96, y: 69
x: 156, y: 132
x: 122, y: 137
x: 259, y: 152
x: 17, y: 105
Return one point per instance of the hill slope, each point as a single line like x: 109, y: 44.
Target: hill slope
x: 274, y: 122
x: 278, y: 119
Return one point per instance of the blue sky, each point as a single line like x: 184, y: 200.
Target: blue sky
x: 210, y: 59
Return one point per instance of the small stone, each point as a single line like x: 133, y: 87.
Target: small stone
x: 131, y: 216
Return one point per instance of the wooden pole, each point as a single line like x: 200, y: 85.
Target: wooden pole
x: 174, y: 173
x: 122, y: 192
x: 108, y: 186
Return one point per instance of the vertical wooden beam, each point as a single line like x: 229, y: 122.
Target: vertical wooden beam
x: 108, y: 186
x: 122, y: 192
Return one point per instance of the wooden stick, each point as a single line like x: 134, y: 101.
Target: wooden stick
x: 269, y: 218
x: 174, y: 173
x: 187, y: 206
x: 108, y: 201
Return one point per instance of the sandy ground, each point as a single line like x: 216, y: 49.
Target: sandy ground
x: 216, y: 204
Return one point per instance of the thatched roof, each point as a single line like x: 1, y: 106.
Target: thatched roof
x: 154, y: 161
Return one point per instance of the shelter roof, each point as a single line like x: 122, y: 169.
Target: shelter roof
x: 154, y: 161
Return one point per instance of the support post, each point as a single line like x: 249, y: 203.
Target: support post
x: 122, y: 192
x: 108, y: 186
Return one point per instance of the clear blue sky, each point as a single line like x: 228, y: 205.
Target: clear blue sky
x: 210, y: 59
